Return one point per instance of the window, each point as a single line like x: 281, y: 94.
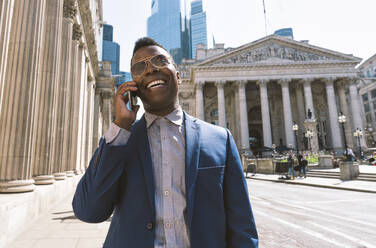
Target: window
x: 365, y: 97
x: 373, y: 93
x: 369, y: 119
x: 367, y: 107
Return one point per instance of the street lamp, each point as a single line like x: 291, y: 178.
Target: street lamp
x: 342, y: 120
x: 295, y: 128
x: 309, y: 135
x: 358, y: 134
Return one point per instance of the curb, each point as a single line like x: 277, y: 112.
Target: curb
x: 314, y: 185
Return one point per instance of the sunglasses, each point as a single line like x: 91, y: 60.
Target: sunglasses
x: 158, y: 61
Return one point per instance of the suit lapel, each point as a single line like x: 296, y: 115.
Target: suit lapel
x: 192, y: 152
x: 143, y: 149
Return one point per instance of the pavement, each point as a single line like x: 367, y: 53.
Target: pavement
x: 353, y: 185
x: 59, y: 228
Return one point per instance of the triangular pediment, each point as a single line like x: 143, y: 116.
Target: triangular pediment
x: 277, y: 50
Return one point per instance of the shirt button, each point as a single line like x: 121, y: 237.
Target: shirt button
x: 166, y: 193
x: 168, y: 225
x: 149, y: 225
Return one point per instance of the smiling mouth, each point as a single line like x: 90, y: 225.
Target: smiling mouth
x: 155, y: 83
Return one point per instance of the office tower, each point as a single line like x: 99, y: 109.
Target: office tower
x: 198, y: 26
x: 168, y: 26
x: 111, y: 51
x: 126, y: 76
x: 285, y: 32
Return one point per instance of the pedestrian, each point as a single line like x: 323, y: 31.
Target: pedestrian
x: 169, y: 179
x: 303, y: 167
x: 290, y: 161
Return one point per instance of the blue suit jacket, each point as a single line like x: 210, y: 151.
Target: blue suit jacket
x: 119, y: 180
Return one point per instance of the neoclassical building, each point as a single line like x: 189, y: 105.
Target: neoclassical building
x: 259, y: 90
x: 55, y: 96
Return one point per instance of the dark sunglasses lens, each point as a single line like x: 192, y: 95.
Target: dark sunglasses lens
x: 159, y: 61
x: 139, y: 68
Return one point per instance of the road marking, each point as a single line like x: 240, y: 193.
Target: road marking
x: 355, y: 240
x: 302, y: 229
x: 335, y: 201
x: 324, y: 213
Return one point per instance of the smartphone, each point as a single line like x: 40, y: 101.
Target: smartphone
x: 132, y: 96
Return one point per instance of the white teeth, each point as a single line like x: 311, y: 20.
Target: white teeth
x: 155, y: 83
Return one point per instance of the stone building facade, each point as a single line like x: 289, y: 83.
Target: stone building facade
x: 259, y: 90
x: 55, y: 96
x: 367, y: 91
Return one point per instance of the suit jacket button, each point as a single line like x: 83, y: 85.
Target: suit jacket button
x: 149, y: 225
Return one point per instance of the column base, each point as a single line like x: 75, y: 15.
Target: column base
x: 60, y: 176
x: 17, y: 186
x: 78, y: 171
x: 70, y: 173
x: 44, y: 179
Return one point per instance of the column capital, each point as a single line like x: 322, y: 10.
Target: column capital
x: 284, y: 82
x: 328, y: 80
x: 306, y: 81
x: 77, y: 32
x: 199, y: 84
x: 220, y: 83
x: 69, y: 9
x: 262, y: 82
x: 242, y: 83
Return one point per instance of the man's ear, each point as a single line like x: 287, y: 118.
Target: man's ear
x: 178, y: 77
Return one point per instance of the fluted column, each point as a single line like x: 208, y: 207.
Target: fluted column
x: 221, y: 103
x: 301, y: 112
x: 333, y: 115
x: 107, y: 110
x: 200, y: 100
x: 356, y: 108
x: 19, y: 101
x: 308, y: 97
x: 6, y: 14
x: 287, y: 115
x: 244, y: 132
x: 42, y: 166
x: 84, y: 99
x: 345, y: 110
x: 266, y: 129
x: 76, y: 67
x: 90, y: 120
x: 62, y: 132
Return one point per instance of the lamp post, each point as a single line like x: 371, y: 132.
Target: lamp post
x: 309, y: 135
x: 342, y: 120
x: 295, y: 128
x: 358, y: 134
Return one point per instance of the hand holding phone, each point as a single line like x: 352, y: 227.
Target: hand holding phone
x: 126, y: 107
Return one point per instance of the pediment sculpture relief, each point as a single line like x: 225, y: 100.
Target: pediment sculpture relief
x: 271, y: 52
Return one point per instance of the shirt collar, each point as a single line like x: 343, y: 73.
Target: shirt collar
x: 175, y: 117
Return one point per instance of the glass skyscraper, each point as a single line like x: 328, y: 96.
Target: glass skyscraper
x: 111, y: 51
x: 198, y: 26
x: 167, y: 26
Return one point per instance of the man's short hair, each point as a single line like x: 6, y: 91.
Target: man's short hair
x: 147, y: 41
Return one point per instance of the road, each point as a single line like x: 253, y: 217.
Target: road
x: 289, y: 216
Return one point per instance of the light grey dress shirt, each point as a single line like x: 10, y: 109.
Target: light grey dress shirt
x: 167, y: 146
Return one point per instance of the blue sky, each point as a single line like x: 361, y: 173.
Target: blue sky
x: 341, y: 25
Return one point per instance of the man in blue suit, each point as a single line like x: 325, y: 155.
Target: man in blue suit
x: 169, y: 179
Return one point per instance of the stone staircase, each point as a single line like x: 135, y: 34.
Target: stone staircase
x: 336, y: 175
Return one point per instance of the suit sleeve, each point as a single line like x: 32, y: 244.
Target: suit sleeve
x: 97, y: 191
x: 240, y: 225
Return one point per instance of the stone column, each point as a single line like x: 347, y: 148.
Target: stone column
x: 90, y: 120
x: 333, y: 115
x: 42, y: 166
x: 200, y: 100
x: 308, y: 97
x: 244, y: 132
x: 6, y: 14
x: 301, y: 112
x: 19, y: 101
x: 84, y: 99
x: 107, y: 110
x: 76, y: 51
x: 221, y: 103
x: 287, y: 115
x: 266, y: 129
x: 62, y: 132
x: 345, y: 110
x: 356, y: 109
